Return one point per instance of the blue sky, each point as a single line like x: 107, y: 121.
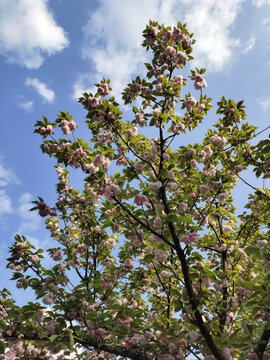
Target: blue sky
x: 51, y: 51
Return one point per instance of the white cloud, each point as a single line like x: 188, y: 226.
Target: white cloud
x: 82, y: 84
x: 30, y: 220
x: 259, y: 3
x: 7, y: 176
x: 6, y: 206
x: 211, y: 21
x: 27, y: 105
x: 47, y: 94
x: 249, y: 46
x: 28, y: 31
x: 113, y: 35
x: 264, y: 102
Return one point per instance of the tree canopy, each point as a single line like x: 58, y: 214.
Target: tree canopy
x: 151, y: 261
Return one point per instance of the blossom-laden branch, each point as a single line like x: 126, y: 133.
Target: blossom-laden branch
x: 149, y: 262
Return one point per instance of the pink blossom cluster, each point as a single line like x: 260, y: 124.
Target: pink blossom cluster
x: 199, y: 81
x: 177, y: 129
x: 45, y: 210
x: 112, y: 190
x: 155, y: 185
x: 45, y: 131
x: 190, y: 239
x: 217, y: 141
x: 204, y: 189
x: 178, y: 80
x: 18, y: 348
x: 103, y: 89
x: 57, y: 256
x: 139, y: 166
x: 158, y: 222
x: 49, y: 299
x: 151, y: 36
x: 190, y: 103
x: 133, y: 90
x: 182, y: 206
x: 161, y: 255
x: 92, y: 102
x: 140, y: 199
x: 140, y: 119
x: 68, y: 126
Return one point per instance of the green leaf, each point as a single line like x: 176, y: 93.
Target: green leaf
x: 53, y: 337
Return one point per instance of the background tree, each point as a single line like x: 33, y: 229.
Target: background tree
x: 151, y: 261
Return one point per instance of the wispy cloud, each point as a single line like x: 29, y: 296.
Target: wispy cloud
x: 5, y: 201
x: 260, y: 3
x: 46, y: 93
x: 212, y: 21
x: 7, y: 176
x: 83, y: 83
x: 30, y: 223
x: 249, y: 45
x: 30, y: 220
x: 28, y: 32
x: 112, y: 35
x: 264, y: 102
x: 27, y: 105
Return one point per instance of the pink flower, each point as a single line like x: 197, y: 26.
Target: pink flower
x: 190, y: 103
x: 166, y: 273
x: 140, y: 199
x: 115, y: 189
x: 206, y: 281
x: 178, y: 80
x: 227, y: 228
x: 193, y: 335
x: 62, y: 267
x: 182, y: 206
x: 181, y: 342
x: 139, y: 166
x: 238, y: 168
x: 199, y: 82
x: 267, y: 264
x: 90, y: 167
x: 158, y: 222
x: 156, y: 111
x: 99, y: 160
x: 208, y: 150
x: 204, y: 189
x: 48, y: 299
x: 190, y: 152
x: 72, y: 125
x: 48, y: 130
x: 129, y: 263
x: 253, y: 356
x: 180, y: 57
x: 161, y: 255
x: 155, y: 185
x: 34, y: 259
x: 65, y: 127
x: 147, y: 92
x: 193, y: 163
x: 104, y: 89
x: 184, y: 239
x: 44, y: 209
x: 92, y: 102
x: 57, y: 256
x: 222, y: 196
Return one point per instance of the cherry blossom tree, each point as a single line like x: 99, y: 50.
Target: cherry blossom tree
x: 150, y: 259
